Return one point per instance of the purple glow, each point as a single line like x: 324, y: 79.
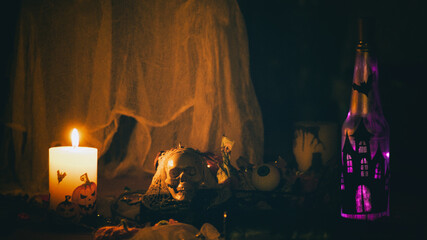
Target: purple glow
x: 349, y: 164
x: 363, y: 199
x: 374, y: 68
x: 362, y: 147
x: 363, y: 167
x: 365, y: 140
x: 369, y: 216
x: 369, y: 154
x: 377, y: 171
x: 342, y: 182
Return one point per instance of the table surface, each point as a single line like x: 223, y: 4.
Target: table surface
x: 407, y: 221
x: 265, y: 225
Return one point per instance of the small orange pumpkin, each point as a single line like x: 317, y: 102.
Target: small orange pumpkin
x: 68, y: 210
x: 85, y: 196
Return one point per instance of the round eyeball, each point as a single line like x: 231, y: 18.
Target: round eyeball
x: 265, y: 177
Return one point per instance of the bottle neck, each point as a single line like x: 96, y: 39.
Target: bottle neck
x: 364, y: 86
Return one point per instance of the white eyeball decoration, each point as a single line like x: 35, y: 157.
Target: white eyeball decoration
x: 265, y: 177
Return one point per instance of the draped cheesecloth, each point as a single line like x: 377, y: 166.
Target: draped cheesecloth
x: 179, y: 68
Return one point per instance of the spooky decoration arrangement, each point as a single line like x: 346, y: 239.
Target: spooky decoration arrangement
x: 196, y: 188
x: 186, y: 177
x: 144, y: 60
x: 188, y: 181
x: 365, y: 165
x: 181, y: 172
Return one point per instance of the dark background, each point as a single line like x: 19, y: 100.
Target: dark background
x: 302, y: 56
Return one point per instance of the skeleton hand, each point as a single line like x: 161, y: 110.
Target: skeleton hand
x: 305, y: 144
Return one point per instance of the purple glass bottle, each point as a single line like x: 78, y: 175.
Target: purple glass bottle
x: 365, y: 165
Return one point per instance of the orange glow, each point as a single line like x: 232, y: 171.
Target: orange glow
x: 75, y: 138
x: 170, y: 163
x: 67, y: 165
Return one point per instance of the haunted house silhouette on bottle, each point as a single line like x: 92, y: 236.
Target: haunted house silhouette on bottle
x: 365, y: 165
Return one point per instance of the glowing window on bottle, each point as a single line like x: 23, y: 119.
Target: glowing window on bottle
x: 363, y: 199
x: 342, y: 182
x: 363, y: 167
x: 363, y: 148
x: 377, y: 171
x: 349, y: 164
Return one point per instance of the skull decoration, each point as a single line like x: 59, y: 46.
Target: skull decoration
x: 67, y: 209
x: 184, y: 173
x: 180, y: 172
x: 85, y: 196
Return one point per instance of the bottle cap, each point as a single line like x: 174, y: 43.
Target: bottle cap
x: 365, y: 32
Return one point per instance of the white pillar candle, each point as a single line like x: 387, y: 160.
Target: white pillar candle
x: 73, y: 171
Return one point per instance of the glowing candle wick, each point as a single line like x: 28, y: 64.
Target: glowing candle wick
x: 75, y: 138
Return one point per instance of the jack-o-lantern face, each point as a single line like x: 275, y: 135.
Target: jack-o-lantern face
x: 85, y: 196
x: 68, y: 209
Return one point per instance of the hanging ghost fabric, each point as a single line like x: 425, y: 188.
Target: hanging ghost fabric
x: 179, y: 68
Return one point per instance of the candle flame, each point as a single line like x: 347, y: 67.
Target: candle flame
x: 75, y: 138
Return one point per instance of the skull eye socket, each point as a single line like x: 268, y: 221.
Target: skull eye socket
x: 191, y: 171
x: 174, y: 173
